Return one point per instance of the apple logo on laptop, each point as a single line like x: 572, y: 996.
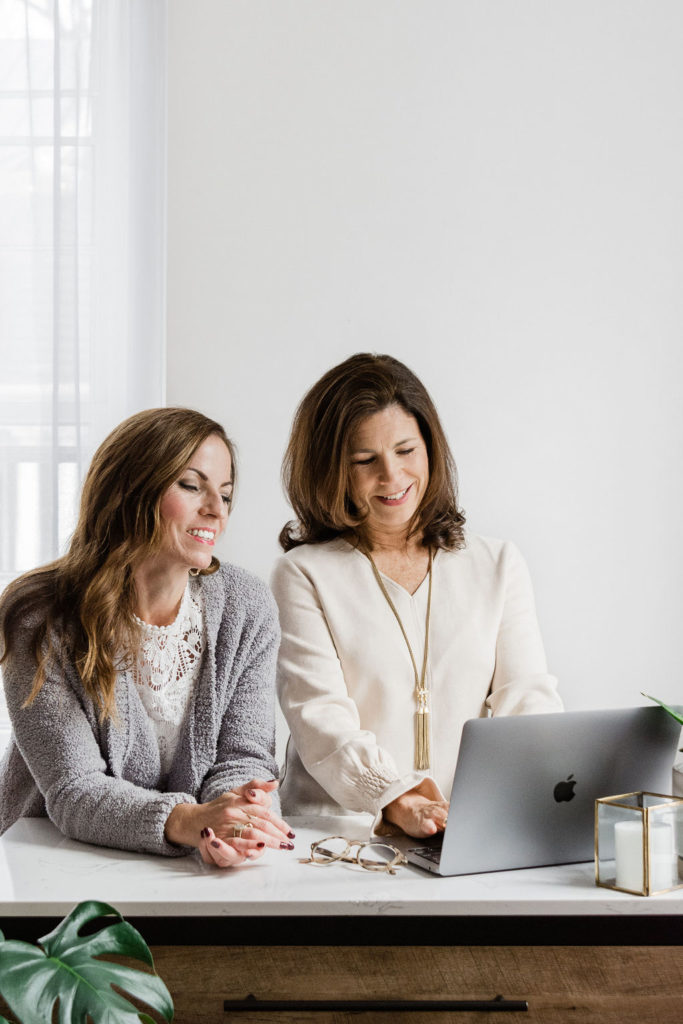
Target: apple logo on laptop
x: 564, y: 791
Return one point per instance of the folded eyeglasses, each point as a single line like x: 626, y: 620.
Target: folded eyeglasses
x: 370, y: 854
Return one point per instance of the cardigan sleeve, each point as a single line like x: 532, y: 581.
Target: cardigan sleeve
x: 246, y: 741
x: 58, y: 745
x: 521, y: 684
x: 345, y: 759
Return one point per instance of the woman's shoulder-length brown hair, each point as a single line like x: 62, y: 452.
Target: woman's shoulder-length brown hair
x: 316, y: 468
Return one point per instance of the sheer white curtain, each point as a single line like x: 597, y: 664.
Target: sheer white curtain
x: 82, y: 249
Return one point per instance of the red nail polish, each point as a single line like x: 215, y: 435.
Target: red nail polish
x: 216, y: 844
x: 292, y: 835
x: 286, y: 846
x: 260, y: 845
x: 252, y: 792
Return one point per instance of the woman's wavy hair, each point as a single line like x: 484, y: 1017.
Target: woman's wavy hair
x: 81, y: 606
x: 316, y: 468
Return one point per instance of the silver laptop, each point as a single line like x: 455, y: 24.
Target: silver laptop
x: 525, y: 787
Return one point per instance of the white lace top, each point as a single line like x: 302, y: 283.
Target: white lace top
x: 165, y: 670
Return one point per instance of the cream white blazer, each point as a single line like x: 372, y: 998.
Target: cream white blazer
x: 346, y: 682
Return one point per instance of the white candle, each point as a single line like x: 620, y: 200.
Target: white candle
x: 663, y: 856
x: 628, y: 851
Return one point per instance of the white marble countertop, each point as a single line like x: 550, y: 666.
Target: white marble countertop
x: 44, y: 874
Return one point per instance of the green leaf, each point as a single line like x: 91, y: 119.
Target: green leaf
x: 32, y: 979
x: 674, y: 714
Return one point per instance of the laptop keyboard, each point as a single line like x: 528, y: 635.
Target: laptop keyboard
x: 432, y: 853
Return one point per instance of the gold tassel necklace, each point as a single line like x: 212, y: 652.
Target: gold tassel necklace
x: 422, y: 751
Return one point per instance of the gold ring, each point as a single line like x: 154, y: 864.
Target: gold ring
x: 238, y: 829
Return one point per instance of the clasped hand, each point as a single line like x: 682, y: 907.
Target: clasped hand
x: 235, y: 827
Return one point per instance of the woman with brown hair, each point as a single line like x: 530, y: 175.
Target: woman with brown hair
x: 138, y: 671
x: 397, y: 625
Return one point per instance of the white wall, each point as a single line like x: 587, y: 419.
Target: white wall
x: 490, y: 191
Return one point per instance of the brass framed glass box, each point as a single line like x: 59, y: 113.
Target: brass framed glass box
x: 639, y: 842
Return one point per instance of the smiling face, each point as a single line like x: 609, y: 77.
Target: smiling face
x: 389, y: 469
x: 194, y: 510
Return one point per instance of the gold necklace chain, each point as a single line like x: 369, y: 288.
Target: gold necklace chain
x: 422, y: 751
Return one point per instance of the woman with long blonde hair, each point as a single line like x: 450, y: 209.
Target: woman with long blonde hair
x: 139, y: 672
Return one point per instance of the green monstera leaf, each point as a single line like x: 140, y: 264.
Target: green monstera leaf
x: 66, y: 968
x: 671, y: 711
x: 3, y: 1020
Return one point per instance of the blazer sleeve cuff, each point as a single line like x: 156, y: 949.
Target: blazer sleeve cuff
x: 380, y: 826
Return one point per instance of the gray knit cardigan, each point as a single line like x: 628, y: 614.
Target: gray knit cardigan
x: 99, y: 782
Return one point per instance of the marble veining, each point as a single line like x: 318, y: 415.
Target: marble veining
x: 43, y: 873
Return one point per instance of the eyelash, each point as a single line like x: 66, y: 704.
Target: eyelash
x: 366, y: 462
x: 227, y: 499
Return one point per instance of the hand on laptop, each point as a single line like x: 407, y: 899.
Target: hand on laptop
x: 420, y: 812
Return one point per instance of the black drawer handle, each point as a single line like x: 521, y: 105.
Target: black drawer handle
x: 498, y: 1004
